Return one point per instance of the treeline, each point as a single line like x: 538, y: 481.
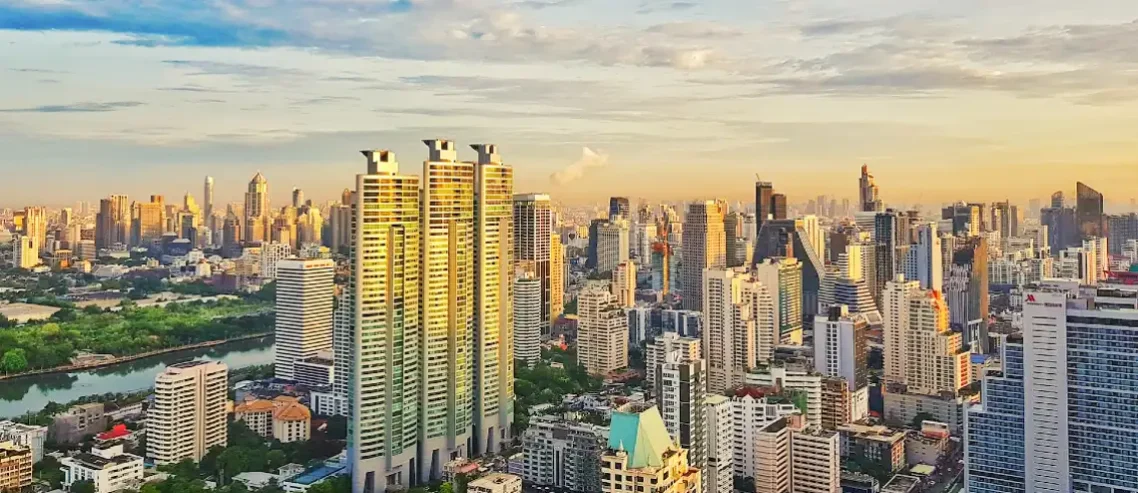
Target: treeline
x: 128, y: 332
x: 544, y: 384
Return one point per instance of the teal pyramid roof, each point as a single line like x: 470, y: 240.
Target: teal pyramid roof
x: 642, y: 435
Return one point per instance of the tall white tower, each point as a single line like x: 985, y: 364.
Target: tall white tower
x: 305, y: 292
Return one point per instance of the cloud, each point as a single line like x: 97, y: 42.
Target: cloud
x: 75, y: 107
x: 589, y: 159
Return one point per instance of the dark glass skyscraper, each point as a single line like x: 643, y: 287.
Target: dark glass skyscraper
x: 1089, y: 211
x: 763, y: 192
x: 619, y: 206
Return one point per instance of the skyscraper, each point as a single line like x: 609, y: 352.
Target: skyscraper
x: 1058, y: 418
x: 1089, y: 211
x: 609, y: 239
x: 305, y: 293
x: 35, y: 227
x: 920, y: 349
x: 448, y: 298
x: 734, y: 240
x: 149, y: 221
x: 840, y: 346
x: 868, y: 192
x: 112, y: 223
x: 297, y: 197
x: 740, y: 327
x: 207, y: 199
x: 704, y: 247
x: 895, y: 311
x: 778, y: 206
x: 257, y: 209
x: 927, y: 258
x: 968, y: 300
x: 556, y: 279
x: 188, y: 415
x: 533, y: 226
x: 619, y: 206
x: 624, y: 284
x: 680, y: 390
x: 783, y: 277
x: 494, y: 301
x: 378, y: 335
x: 763, y: 192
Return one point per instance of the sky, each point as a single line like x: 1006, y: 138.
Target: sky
x: 657, y: 99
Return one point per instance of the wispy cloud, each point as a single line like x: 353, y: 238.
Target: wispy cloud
x: 87, y: 107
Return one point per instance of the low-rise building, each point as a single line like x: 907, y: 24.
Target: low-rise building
x: 793, y: 377
x: 15, y: 467
x: 561, y: 451
x: 496, y: 483
x: 283, y: 418
x: 641, y: 455
x: 928, y: 445
x: 901, y: 484
x: 29, y: 436
x: 300, y: 483
x: 256, y: 480
x: 107, y: 467
x: 902, y: 407
x: 856, y: 482
x: 881, y: 445
x: 314, y: 371
x: 77, y: 422
x: 815, y: 463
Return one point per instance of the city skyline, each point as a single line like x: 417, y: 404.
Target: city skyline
x: 587, y: 103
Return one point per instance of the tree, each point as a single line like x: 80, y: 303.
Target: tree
x: 337, y: 428
x: 14, y: 361
x: 48, y: 470
x: 275, y: 459
x: 921, y: 417
x: 446, y: 488
x: 84, y: 486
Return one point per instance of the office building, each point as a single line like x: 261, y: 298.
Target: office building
x: 79, y: 421
x: 564, y: 453
x: 1041, y: 426
x: 924, y: 263
x: 257, y: 210
x: 527, y: 318
x: 735, y: 242
x: 680, y: 392
x: 740, y: 326
x: 383, y: 390
x: 188, y: 416
x: 1122, y: 228
x: 665, y: 269
x: 113, y: 222
x: 15, y: 467
x: 35, y: 227
x: 772, y: 465
x: 783, y: 277
x: 305, y: 293
x: 868, y: 193
x: 967, y: 291
x: 878, y: 444
x: 608, y: 240
x: 619, y: 207
x: 602, y: 331
x: 272, y: 255
x: 31, y: 436
x: 106, y: 466
x: 24, y: 252
x: 494, y: 301
x: 778, y: 207
x: 148, y: 221
x: 663, y: 345
x: 1089, y: 212
x: 624, y: 284
x: 640, y: 452
x: 704, y: 247
x: 719, y: 441
x: 315, y: 371
x: 763, y: 192
x: 533, y: 246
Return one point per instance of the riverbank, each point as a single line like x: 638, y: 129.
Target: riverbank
x: 127, y: 359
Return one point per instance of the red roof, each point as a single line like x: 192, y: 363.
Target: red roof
x: 117, y: 431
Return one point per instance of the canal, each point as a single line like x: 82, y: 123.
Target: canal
x: 20, y: 395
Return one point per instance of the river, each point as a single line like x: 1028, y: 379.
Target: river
x: 20, y: 395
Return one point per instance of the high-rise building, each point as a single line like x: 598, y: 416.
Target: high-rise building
x: 967, y: 292
x: 752, y: 412
x: 624, y: 284
x: 895, y: 312
x: 1122, y: 228
x: 494, y: 301
x: 24, y: 253
x: 925, y: 258
x: 112, y: 223
x: 680, y: 392
x: 35, y: 227
x: 640, y: 452
x: 1089, y: 212
x: 378, y: 336
x: 734, y: 240
x: 447, y: 304
x: 783, y: 278
x: 564, y: 453
x: 740, y: 330
x: 533, y: 245
x: 257, y: 209
x: 840, y: 346
x: 664, y: 344
x: 936, y: 362
x: 207, y: 198
x: 149, y: 221
x: 868, y: 192
x: 304, y: 301
x: 778, y: 206
x: 763, y: 192
x: 815, y: 460
x: 527, y: 317
x: 602, y: 331
x: 557, y: 274
x: 718, y: 472
x: 704, y: 247
x: 1058, y: 418
x: 816, y: 238
x: 188, y: 416
x: 620, y: 207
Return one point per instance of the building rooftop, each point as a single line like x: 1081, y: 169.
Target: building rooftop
x: 10, y: 449
x: 317, y: 360
x: 640, y: 431
x: 901, y: 484
x: 495, y: 479
x: 316, y: 475
x: 91, y: 461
